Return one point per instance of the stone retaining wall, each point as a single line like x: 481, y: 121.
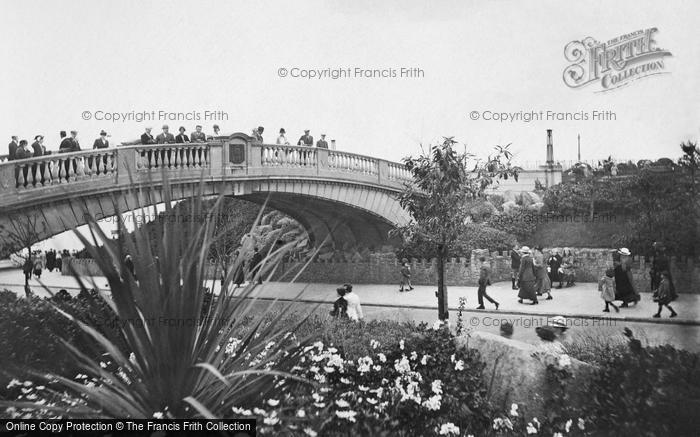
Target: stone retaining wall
x: 384, y: 268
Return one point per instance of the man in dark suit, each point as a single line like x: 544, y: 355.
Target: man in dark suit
x: 100, y: 143
x: 322, y: 143
x: 13, y: 148
x: 166, y: 137
x: 198, y: 136
x: 68, y: 145
x: 182, y: 137
x: 306, y: 139
x: 147, y: 138
x: 38, y: 149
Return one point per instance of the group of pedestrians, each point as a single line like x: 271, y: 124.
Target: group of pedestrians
x: 37, y: 261
x: 532, y: 276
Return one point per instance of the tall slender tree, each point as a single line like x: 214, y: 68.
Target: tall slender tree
x: 445, y: 183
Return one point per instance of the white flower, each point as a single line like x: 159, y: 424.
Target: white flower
x: 568, y: 425
x: 157, y: 415
x: 362, y: 388
x: 414, y: 355
x: 514, y: 410
x: 364, y: 364
x: 371, y: 401
x: 318, y: 345
x: 436, y: 386
x: 103, y: 364
x: 459, y: 365
x: 402, y: 365
x: 241, y: 411
x: 259, y: 412
x: 424, y: 360
x: 342, y: 404
x: 452, y: 358
x: 14, y: 383
x: 449, y: 429
x: 433, y: 403
x: 273, y: 402
x: 335, y: 360
x: 382, y: 358
x: 374, y: 343
x: 564, y: 360
x: 347, y: 415
x: 557, y: 434
x: 272, y: 420
x: 437, y: 325
x: 377, y: 368
x: 531, y: 429
x: 317, y: 397
x: 401, y: 344
x: 310, y: 432
x: 329, y: 369
x: 536, y: 422
x: 345, y: 380
x: 581, y: 424
x: 301, y: 413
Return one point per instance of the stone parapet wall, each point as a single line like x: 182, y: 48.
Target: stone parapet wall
x: 384, y: 268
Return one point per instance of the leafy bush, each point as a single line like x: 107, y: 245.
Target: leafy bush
x: 32, y: 328
x: 648, y: 391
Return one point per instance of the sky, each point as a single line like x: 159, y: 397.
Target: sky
x: 65, y: 59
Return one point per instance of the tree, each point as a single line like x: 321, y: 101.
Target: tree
x: 21, y: 233
x: 440, y: 198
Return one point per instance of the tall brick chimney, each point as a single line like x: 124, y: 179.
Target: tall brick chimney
x: 550, y: 148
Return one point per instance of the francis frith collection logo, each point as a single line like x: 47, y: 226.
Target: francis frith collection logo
x: 614, y: 63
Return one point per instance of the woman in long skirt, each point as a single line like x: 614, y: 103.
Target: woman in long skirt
x: 527, y: 277
x: 554, y: 264
x: 624, y: 288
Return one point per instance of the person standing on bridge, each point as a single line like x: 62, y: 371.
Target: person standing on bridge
x: 12, y: 148
x: 38, y: 149
x: 322, y: 143
x: 198, y: 136
x: 166, y: 137
x: 282, y: 139
x: 306, y: 139
x: 147, y: 138
x: 182, y: 137
x: 100, y: 143
x: 257, y: 134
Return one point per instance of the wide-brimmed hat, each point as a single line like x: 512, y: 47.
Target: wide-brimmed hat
x: 624, y: 251
x: 165, y: 126
x: 103, y: 133
x: 557, y: 322
x: 524, y: 249
x: 306, y: 131
x: 74, y: 132
x: 36, y: 138
x: 282, y: 131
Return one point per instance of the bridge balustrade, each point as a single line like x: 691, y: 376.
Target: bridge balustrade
x: 63, y: 168
x: 288, y: 156
x: 190, y: 156
x: 113, y: 167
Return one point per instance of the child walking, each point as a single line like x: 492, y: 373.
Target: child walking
x: 405, y: 275
x: 664, y: 294
x: 606, y: 286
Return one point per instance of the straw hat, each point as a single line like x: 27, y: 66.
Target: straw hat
x: 557, y: 322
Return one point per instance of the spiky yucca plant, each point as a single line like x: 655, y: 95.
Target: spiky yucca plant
x: 171, y: 360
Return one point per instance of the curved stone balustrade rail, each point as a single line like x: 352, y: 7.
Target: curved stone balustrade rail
x: 225, y: 159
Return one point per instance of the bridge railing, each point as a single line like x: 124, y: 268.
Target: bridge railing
x: 91, y: 169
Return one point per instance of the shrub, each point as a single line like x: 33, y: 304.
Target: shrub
x: 648, y: 391
x: 32, y: 328
x: 411, y: 387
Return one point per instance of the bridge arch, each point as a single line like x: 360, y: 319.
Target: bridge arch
x: 347, y: 197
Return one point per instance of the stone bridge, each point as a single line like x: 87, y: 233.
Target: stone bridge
x: 349, y: 197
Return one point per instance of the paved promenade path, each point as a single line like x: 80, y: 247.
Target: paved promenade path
x: 581, y: 305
